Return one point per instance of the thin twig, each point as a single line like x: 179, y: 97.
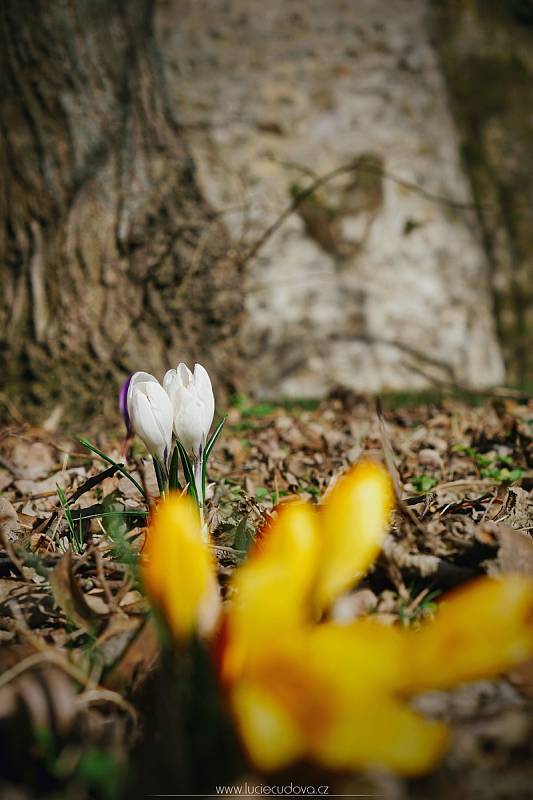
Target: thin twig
x: 93, y: 691
x: 17, y: 669
x: 102, y: 578
x: 388, y: 452
x: 416, y: 602
x: 100, y: 695
x: 48, y: 653
x: 465, y: 482
x: 345, y: 169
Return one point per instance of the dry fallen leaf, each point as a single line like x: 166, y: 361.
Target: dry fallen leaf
x: 515, y: 551
x: 69, y: 597
x: 8, y: 518
x: 517, y: 510
x: 33, y: 459
x: 137, y: 661
x: 97, y: 604
x: 134, y: 602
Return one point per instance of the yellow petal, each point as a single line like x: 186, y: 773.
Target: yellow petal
x: 362, y: 657
x: 272, y: 588
x: 381, y: 732
x: 282, y: 703
x: 480, y: 631
x: 300, y: 702
x: 177, y: 568
x: 354, y: 521
x: 270, y: 737
x: 364, y: 666
x: 292, y: 537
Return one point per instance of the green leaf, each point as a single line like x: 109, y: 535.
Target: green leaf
x: 188, y: 471
x: 213, y: 438
x: 503, y: 475
x: 173, y: 480
x: 260, y: 410
x: 115, y: 523
x: 101, y: 772
x: 160, y: 476
x: 243, y: 536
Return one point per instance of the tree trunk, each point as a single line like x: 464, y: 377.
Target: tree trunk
x: 486, y: 48
x: 110, y: 259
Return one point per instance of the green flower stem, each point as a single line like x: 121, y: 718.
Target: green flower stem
x: 198, y: 481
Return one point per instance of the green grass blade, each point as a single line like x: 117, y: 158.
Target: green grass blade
x: 120, y: 467
x: 207, y: 452
x: 77, y: 543
x: 213, y: 438
x: 115, y: 513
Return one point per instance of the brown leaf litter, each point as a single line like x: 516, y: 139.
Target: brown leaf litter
x: 76, y: 642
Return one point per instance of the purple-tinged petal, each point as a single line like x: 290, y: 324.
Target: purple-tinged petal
x: 123, y: 403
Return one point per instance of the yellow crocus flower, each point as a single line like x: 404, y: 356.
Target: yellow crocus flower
x: 302, y: 687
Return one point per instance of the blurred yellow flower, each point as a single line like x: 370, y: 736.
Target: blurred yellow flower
x: 177, y: 569
x: 327, y: 694
x: 354, y: 519
x: 481, y: 630
x: 303, y: 687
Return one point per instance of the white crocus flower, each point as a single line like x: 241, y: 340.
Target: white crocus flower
x: 151, y: 414
x: 193, y: 403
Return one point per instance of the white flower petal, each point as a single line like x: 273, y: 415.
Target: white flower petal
x: 193, y: 403
x: 152, y: 417
x: 169, y: 378
x: 172, y: 386
x: 204, y: 389
x: 162, y: 411
x: 136, y: 378
x: 185, y: 374
x: 188, y: 425
x: 144, y: 424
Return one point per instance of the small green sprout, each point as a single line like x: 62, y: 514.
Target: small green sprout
x: 499, y: 468
x: 424, y: 483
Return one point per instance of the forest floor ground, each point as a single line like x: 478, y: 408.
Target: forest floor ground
x: 74, y: 643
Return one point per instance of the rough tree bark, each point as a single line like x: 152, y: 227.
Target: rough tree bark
x: 110, y: 259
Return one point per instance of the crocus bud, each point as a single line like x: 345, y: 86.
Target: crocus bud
x: 193, y: 403
x: 150, y: 414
